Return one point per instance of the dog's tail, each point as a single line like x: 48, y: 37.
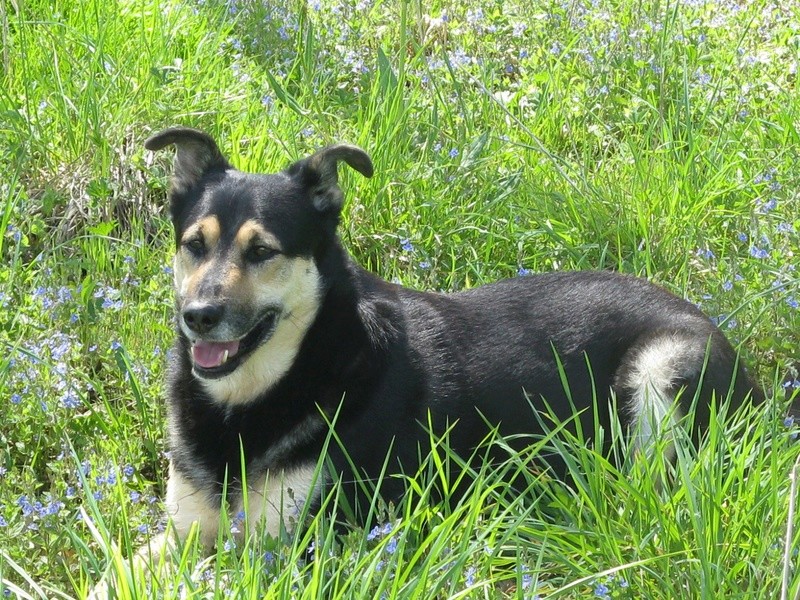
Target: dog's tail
x: 669, y: 373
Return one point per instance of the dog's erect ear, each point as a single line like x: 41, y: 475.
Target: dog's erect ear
x: 320, y: 171
x: 197, y: 154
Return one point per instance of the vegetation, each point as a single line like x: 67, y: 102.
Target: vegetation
x: 659, y: 139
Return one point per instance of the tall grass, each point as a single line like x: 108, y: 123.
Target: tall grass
x: 508, y: 137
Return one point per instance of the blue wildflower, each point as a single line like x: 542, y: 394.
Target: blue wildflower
x: 54, y: 507
x: 469, y: 578
x: 70, y: 400
x: 702, y: 78
x: 768, y: 206
x: 391, y: 545
x: 25, y: 506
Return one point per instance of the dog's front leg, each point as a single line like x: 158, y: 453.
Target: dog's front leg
x: 187, y: 507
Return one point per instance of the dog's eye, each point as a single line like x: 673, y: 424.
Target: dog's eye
x: 258, y: 254
x: 195, y: 246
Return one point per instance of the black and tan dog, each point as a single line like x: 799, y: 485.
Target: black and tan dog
x: 279, y: 332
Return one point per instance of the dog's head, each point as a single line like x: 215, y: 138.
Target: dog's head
x: 247, y: 246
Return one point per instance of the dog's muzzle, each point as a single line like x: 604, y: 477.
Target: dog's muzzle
x: 213, y: 358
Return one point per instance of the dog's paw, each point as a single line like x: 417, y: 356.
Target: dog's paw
x: 101, y: 591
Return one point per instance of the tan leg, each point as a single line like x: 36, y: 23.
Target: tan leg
x: 186, y: 507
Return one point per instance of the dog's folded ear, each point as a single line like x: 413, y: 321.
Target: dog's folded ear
x: 319, y: 172
x: 196, y: 154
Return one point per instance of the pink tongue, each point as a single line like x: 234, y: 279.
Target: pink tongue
x: 212, y: 354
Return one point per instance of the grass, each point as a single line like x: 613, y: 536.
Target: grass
x: 508, y: 137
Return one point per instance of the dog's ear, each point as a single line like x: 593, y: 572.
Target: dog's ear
x: 196, y: 154
x: 319, y: 172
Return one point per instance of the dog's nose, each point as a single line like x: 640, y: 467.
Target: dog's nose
x: 202, y: 318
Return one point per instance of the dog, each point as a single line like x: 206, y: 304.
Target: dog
x: 281, y: 336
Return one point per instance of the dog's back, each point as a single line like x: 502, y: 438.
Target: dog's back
x: 520, y: 353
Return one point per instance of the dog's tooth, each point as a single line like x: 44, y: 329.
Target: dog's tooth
x: 225, y: 357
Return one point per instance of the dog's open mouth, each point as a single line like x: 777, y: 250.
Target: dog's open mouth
x: 213, y: 359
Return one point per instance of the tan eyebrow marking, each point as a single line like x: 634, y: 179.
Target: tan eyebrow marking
x: 208, y: 228
x: 251, y: 231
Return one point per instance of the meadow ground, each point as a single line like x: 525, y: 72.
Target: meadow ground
x: 659, y: 139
